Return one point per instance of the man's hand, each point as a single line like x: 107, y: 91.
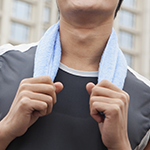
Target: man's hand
x: 35, y: 98
x: 108, y: 99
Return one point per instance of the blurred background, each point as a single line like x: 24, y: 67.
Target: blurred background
x: 25, y: 21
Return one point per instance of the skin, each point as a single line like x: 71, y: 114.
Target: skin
x: 85, y: 27
x: 35, y: 98
x: 113, y: 102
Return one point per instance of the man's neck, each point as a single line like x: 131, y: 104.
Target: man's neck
x: 82, y: 47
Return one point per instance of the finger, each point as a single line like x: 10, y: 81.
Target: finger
x: 96, y: 114
x: 37, y: 80
x: 109, y: 85
x: 89, y: 87
x: 39, y: 97
x: 49, y: 103
x: 108, y: 109
x: 39, y: 88
x: 29, y: 106
x: 105, y: 100
x: 109, y: 101
x: 98, y: 117
x: 58, y: 86
x: 103, y: 91
x: 39, y: 108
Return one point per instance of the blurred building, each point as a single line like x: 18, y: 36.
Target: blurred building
x: 133, y: 28
x: 25, y: 21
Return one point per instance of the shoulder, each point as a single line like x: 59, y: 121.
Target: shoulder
x: 17, y: 58
x: 136, y: 85
x: 20, y: 48
x: 16, y: 63
x: 132, y: 74
x: 138, y: 88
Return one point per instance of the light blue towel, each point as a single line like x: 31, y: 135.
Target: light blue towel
x: 112, y: 67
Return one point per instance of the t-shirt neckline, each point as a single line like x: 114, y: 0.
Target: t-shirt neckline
x: 78, y: 72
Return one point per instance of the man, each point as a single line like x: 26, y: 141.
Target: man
x: 88, y: 114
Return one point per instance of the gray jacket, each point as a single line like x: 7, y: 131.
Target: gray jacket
x: 17, y: 63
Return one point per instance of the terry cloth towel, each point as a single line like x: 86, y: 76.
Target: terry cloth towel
x: 113, y: 66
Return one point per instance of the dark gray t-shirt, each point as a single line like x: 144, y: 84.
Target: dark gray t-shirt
x: 70, y: 124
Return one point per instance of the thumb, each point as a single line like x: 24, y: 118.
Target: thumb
x: 89, y: 87
x: 59, y: 86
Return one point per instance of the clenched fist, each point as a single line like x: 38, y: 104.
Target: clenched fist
x: 113, y: 102
x: 35, y: 98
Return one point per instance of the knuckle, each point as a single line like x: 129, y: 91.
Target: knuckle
x: 23, y: 94
x: 24, y: 102
x: 23, y: 86
x: 95, y: 90
x: 121, y: 104
x: 49, y: 89
x: 127, y: 97
x: 44, y: 106
x: 50, y: 100
x: 93, y: 108
x: 94, y: 105
x: 44, y: 112
x: 104, y: 82
x: 24, y: 81
x: 49, y: 105
x: 123, y: 96
x: 46, y: 78
x: 92, y: 100
x: 116, y: 109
